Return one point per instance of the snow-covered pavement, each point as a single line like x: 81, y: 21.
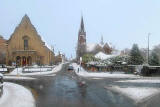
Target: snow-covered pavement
x: 145, y: 80
x: 138, y: 94
x: 137, y: 89
x: 15, y: 95
x: 18, y: 78
x: 84, y: 73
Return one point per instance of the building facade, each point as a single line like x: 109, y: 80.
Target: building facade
x: 25, y: 46
x: 3, y: 49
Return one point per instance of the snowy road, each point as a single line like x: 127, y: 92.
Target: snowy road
x: 15, y: 95
x: 63, y: 90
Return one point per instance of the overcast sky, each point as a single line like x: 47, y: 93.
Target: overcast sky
x: 121, y: 22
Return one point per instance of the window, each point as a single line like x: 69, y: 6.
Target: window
x: 25, y: 38
x: 25, y: 44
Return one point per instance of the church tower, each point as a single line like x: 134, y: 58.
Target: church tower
x: 81, y: 45
x: 102, y: 43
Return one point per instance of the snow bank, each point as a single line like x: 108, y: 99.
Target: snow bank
x: 15, y: 95
x: 37, y: 69
x: 3, y: 69
x: 18, y: 71
x: 142, y: 81
x: 84, y: 73
x: 136, y: 93
x: 18, y: 78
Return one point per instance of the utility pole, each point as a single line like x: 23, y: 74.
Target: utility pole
x: 148, y: 49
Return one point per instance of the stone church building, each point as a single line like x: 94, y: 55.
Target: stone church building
x: 83, y: 47
x: 25, y: 46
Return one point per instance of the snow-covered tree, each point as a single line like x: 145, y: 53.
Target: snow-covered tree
x: 157, y: 50
x: 118, y: 60
x: 135, y: 56
x: 154, y: 60
x: 144, y: 53
x: 88, y: 57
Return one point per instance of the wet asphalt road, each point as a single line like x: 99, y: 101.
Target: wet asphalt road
x: 63, y: 90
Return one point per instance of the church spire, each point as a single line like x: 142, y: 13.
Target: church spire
x: 102, y: 43
x: 82, y: 29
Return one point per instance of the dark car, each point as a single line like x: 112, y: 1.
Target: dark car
x: 70, y: 68
x: 1, y: 84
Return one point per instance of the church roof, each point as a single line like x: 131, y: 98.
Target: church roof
x: 1, y: 36
x: 103, y: 56
x: 25, y: 20
x: 91, y: 47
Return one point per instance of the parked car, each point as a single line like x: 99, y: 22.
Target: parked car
x: 70, y: 67
x: 1, y: 84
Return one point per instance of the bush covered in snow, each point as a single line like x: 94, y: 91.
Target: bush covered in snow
x: 88, y: 58
x: 117, y: 60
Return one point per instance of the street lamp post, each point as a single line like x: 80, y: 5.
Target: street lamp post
x: 148, y: 49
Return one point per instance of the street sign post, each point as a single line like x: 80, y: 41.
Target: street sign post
x: 80, y: 62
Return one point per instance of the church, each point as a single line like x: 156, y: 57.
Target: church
x: 26, y: 47
x: 84, y: 48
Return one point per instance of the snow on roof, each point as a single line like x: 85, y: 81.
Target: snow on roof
x: 48, y: 46
x: 101, y: 45
x: 91, y: 47
x: 110, y: 44
x: 103, y: 56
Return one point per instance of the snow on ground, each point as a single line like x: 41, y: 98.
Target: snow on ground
x: 18, y: 71
x: 142, y: 81
x: 15, y: 95
x: 84, y: 73
x: 3, y: 69
x: 18, y: 78
x: 138, y: 94
x: 97, y: 78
